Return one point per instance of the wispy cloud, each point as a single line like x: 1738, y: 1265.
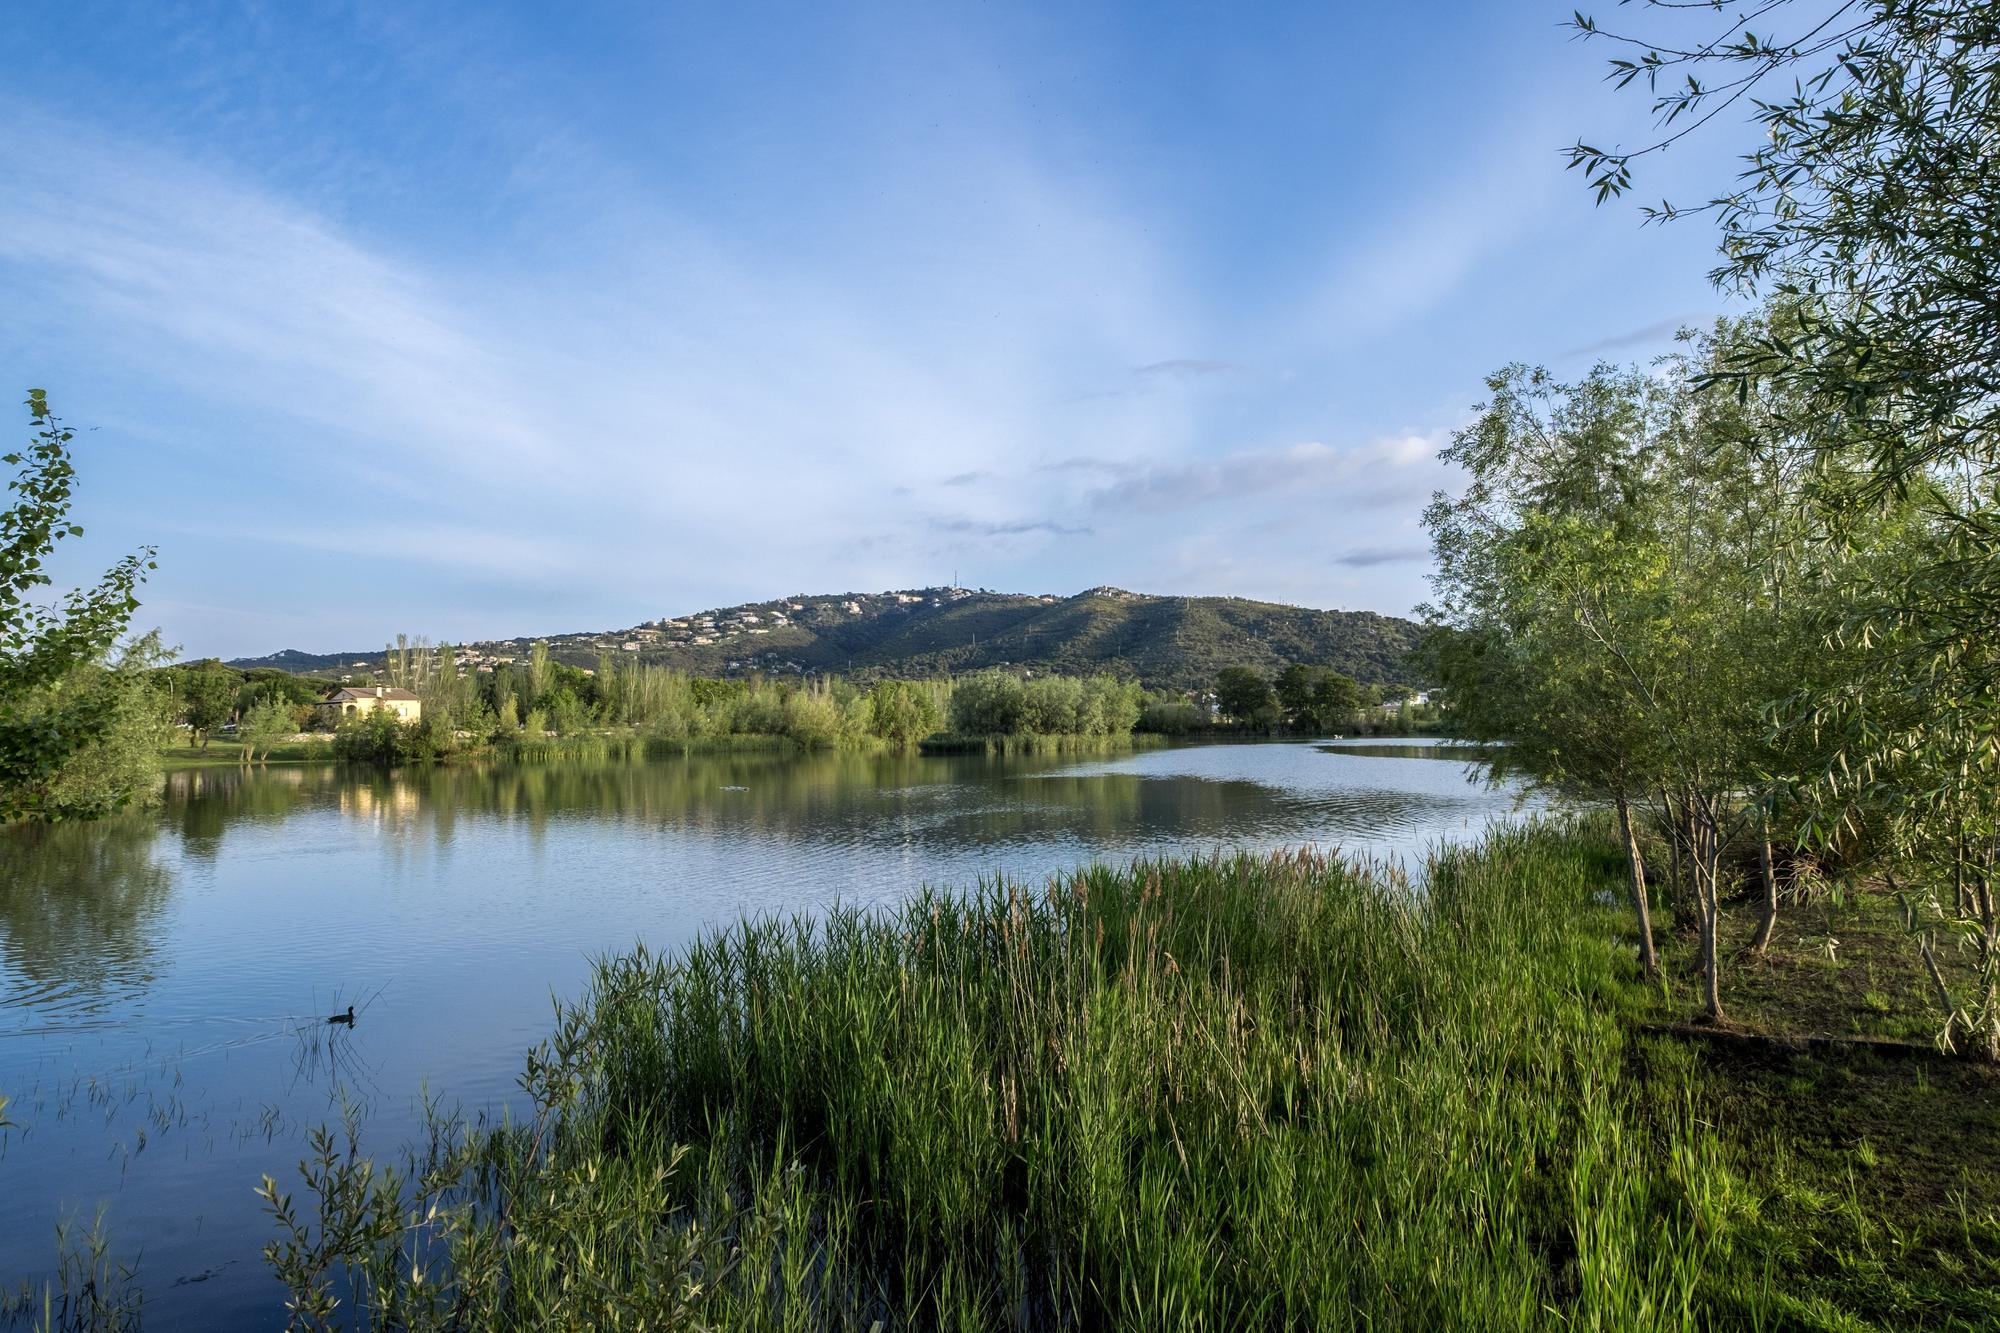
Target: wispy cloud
x: 1384, y: 472
x: 194, y: 270
x: 1085, y: 463
x: 478, y: 420
x: 1368, y: 557
x: 520, y: 555
x: 1185, y: 369
x: 1157, y: 376
x: 1433, y: 236
x: 1011, y: 528
x: 1659, y: 331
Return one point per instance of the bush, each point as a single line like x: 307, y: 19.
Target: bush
x: 811, y: 718
x: 988, y: 703
x: 994, y: 703
x: 373, y: 738
x: 1172, y: 717
x: 1054, y: 706
x: 903, y: 713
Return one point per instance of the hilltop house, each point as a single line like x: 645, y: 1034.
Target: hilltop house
x: 352, y: 701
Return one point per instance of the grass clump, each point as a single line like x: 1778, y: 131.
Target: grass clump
x: 91, y: 1291
x: 1222, y: 1093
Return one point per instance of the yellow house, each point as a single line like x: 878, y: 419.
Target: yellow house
x: 351, y: 701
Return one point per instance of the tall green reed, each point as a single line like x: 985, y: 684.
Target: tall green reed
x: 1217, y: 1093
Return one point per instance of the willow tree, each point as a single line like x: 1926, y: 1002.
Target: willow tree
x: 451, y: 694
x: 903, y: 712
x: 263, y: 726
x: 1912, y: 738
x: 1867, y: 199
x: 1507, y: 641
x: 1549, y: 465
x: 1869, y: 202
x: 1606, y: 605
x: 540, y: 674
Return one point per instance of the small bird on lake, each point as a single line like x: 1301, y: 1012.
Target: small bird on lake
x: 347, y: 1018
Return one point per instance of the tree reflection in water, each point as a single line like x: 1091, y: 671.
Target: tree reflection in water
x: 79, y: 904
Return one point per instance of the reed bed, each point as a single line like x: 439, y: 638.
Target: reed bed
x: 630, y: 746
x: 1223, y: 1093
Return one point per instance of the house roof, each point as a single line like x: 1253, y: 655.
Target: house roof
x: 347, y: 692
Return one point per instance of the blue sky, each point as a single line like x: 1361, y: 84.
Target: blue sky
x: 489, y: 320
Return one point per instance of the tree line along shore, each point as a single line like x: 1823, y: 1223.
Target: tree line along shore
x: 540, y: 707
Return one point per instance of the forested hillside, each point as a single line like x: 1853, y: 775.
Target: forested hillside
x: 1165, y: 642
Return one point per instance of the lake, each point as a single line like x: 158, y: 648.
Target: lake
x: 164, y: 976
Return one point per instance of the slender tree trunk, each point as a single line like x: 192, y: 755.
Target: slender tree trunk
x: 1961, y: 895
x: 1675, y: 898
x: 1989, y: 962
x: 1707, y: 857
x: 1692, y: 857
x: 1767, y: 923
x: 1640, y: 903
x: 1711, y: 971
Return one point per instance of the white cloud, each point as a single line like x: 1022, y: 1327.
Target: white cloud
x: 667, y: 386
x: 201, y: 278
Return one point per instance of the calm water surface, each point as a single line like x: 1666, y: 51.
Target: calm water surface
x: 162, y: 975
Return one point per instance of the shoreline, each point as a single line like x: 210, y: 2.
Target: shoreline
x: 224, y: 752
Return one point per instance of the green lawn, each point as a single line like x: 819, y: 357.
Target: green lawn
x: 222, y: 750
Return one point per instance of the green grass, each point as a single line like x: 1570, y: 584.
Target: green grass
x: 1876, y: 1172
x: 1234, y: 1093
x: 223, y: 751
x: 1840, y: 964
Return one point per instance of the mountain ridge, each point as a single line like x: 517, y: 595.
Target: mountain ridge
x: 1166, y: 642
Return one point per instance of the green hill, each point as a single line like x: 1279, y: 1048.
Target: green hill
x: 1166, y: 642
